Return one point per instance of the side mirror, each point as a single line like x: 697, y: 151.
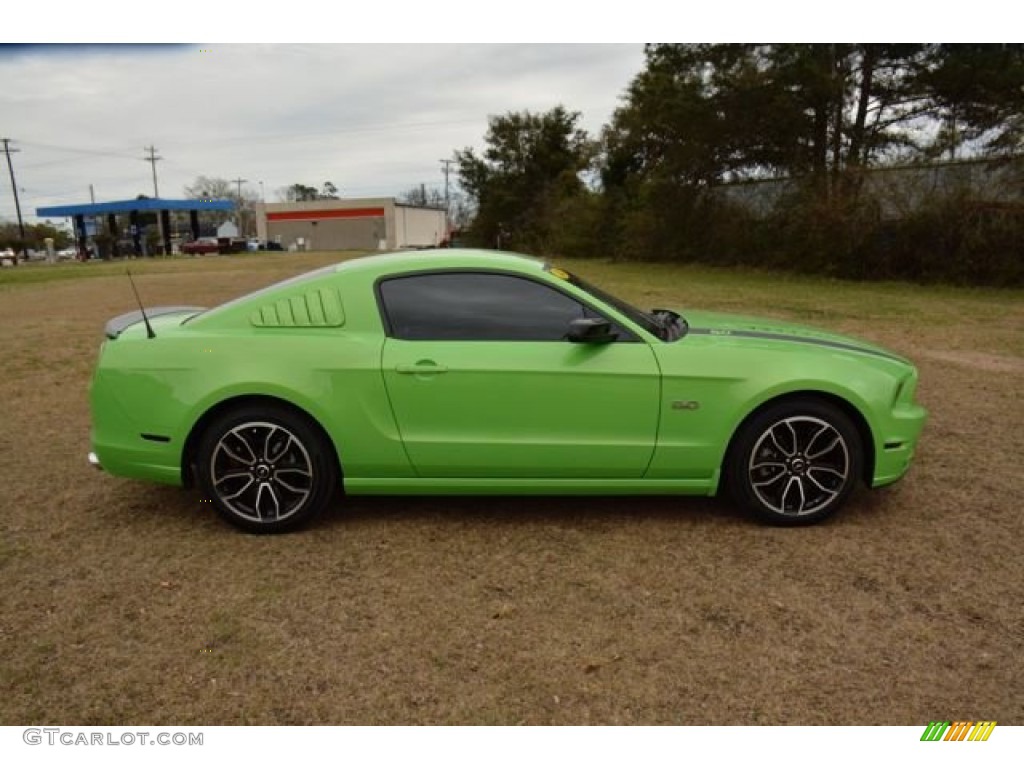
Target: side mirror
x: 591, y: 330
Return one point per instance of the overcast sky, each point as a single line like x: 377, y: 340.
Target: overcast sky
x: 373, y: 119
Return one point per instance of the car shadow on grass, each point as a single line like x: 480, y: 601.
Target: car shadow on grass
x: 182, y: 510
x: 609, y: 511
x: 174, y: 509
x: 179, y: 509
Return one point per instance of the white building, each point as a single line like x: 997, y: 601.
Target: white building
x: 376, y: 223
x: 227, y: 229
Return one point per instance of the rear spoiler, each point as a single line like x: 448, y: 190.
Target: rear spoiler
x: 118, y: 324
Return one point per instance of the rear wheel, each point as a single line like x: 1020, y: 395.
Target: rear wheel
x: 266, y: 469
x: 796, y: 462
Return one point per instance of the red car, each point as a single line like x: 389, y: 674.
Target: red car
x: 202, y: 245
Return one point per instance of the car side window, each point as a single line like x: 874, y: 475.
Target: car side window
x: 476, y: 306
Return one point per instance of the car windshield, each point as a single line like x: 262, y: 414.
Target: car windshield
x: 665, y: 324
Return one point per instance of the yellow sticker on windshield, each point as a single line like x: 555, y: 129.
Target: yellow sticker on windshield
x: 561, y: 274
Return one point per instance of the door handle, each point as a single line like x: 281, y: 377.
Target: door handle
x: 422, y: 367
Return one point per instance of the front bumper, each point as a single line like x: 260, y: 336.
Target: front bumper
x: 895, y: 451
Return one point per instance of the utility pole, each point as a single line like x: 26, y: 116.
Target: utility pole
x: 14, y: 188
x: 447, y: 205
x: 156, y: 191
x: 92, y: 194
x: 240, y: 182
x: 152, y: 161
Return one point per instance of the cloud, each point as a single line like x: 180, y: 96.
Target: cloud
x: 374, y: 119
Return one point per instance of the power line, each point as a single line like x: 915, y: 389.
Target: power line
x: 14, y: 187
x: 65, y: 161
x: 369, y: 128
x: 76, y: 150
x: 187, y: 169
x: 247, y: 139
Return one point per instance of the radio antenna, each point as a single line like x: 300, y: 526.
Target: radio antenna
x: 149, y: 328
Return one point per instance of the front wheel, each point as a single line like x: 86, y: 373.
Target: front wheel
x: 266, y: 469
x: 795, y: 463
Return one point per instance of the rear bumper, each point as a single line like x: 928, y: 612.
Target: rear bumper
x: 138, y: 461
x: 119, y: 447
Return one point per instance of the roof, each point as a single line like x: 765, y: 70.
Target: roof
x: 127, y: 206
x: 394, y: 262
x: 443, y: 258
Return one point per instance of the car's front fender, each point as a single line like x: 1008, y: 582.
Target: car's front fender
x: 712, y: 385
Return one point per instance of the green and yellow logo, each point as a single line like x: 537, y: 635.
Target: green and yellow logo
x: 958, y: 731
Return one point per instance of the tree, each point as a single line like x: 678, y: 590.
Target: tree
x: 35, y: 236
x: 978, y: 94
x: 420, y: 195
x: 211, y: 188
x: 297, y: 193
x: 674, y: 139
x: 698, y: 116
x: 215, y: 188
x: 531, y: 168
x: 701, y: 114
x: 461, y: 211
x: 705, y: 113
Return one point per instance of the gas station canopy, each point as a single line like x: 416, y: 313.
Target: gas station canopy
x: 127, y: 206
x: 133, y: 208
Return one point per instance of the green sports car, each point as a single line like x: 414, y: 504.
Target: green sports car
x: 479, y: 372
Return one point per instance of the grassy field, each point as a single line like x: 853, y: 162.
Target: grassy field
x: 133, y: 604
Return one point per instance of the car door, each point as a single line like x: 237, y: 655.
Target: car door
x: 483, y: 382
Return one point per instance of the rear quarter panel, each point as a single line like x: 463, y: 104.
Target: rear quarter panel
x: 163, y: 386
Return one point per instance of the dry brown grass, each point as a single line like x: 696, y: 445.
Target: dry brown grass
x: 128, y: 603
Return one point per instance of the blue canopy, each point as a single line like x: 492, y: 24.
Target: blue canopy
x: 127, y: 206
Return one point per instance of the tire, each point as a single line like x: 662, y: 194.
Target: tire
x: 795, y: 462
x: 266, y: 469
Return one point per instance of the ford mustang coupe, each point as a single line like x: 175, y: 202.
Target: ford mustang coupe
x: 479, y: 372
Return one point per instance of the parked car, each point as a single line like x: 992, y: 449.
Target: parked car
x: 8, y: 258
x: 200, y: 246
x: 459, y: 371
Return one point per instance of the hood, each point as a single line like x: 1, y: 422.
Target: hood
x: 720, y: 324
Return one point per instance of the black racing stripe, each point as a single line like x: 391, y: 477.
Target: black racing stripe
x: 798, y: 339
